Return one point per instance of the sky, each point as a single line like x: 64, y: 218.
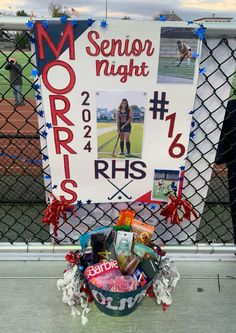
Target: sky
x: 136, y: 9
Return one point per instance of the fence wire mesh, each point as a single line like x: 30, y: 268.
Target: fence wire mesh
x: 23, y: 189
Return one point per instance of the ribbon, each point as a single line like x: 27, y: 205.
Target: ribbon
x: 72, y: 258
x: 53, y: 211
x: 172, y: 210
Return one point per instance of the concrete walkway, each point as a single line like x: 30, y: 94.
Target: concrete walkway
x: 30, y: 302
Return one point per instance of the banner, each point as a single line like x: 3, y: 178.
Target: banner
x: 117, y: 99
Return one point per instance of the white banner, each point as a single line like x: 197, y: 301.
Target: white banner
x: 117, y: 103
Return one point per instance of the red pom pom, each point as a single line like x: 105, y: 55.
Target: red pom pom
x: 150, y: 292
x: 53, y: 211
x: 171, y: 210
x: 164, y: 306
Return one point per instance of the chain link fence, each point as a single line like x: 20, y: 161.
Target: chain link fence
x: 209, y: 186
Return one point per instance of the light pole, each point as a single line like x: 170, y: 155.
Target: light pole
x: 106, y: 9
x: 10, y: 9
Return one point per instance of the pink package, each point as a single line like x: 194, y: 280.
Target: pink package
x: 115, y: 282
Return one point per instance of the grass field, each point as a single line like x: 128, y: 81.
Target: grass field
x: 106, y: 142
x: 22, y: 59
x: 183, y: 71
x: 105, y: 125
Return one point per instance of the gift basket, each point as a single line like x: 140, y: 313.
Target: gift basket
x: 116, y: 267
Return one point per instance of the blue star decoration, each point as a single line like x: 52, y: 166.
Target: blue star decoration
x: 191, y: 112
x: 48, y: 125
x: 200, y: 32
x: 103, y: 23
x: 36, y: 86
x: 45, y: 157
x: 79, y: 203
x: 44, y: 133
x: 195, y: 55
x: 55, y: 186
x: 89, y: 201
x: 47, y: 177
x: 38, y: 97
x: 90, y: 21
x: 202, y: 70
x: 63, y: 19
x: 32, y: 40
x: 153, y: 206
x: 73, y: 22
x: 189, y: 22
x: 192, y: 135
x: 45, y: 24
x: 35, y: 72
x: 182, y: 167
x: 193, y: 123
x: 30, y: 24
x: 41, y: 113
x: 162, y: 18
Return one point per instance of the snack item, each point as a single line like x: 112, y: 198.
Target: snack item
x: 121, y: 227
x: 123, y: 253
x: 102, y: 246
x: 124, y: 242
x: 141, y: 277
x: 140, y: 250
x: 125, y: 217
x: 142, y: 231
x: 115, y: 282
x: 149, y: 266
x: 131, y: 264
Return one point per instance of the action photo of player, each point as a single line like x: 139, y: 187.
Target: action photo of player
x: 184, y: 51
x: 177, y: 55
x: 165, y: 183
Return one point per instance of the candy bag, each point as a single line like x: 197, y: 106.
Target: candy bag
x: 125, y: 218
x: 142, y: 232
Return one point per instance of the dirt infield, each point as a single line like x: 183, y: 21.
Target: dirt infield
x: 19, y: 139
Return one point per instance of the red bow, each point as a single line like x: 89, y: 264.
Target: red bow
x: 72, y: 258
x: 52, y: 213
x: 171, y: 210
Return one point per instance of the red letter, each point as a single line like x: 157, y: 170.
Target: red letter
x: 42, y: 34
x: 67, y: 67
x: 150, y: 49
x: 63, y: 142
x: 66, y: 166
x: 59, y: 112
x: 67, y: 190
x: 90, y: 38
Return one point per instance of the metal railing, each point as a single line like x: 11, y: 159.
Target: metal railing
x: 25, y: 183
